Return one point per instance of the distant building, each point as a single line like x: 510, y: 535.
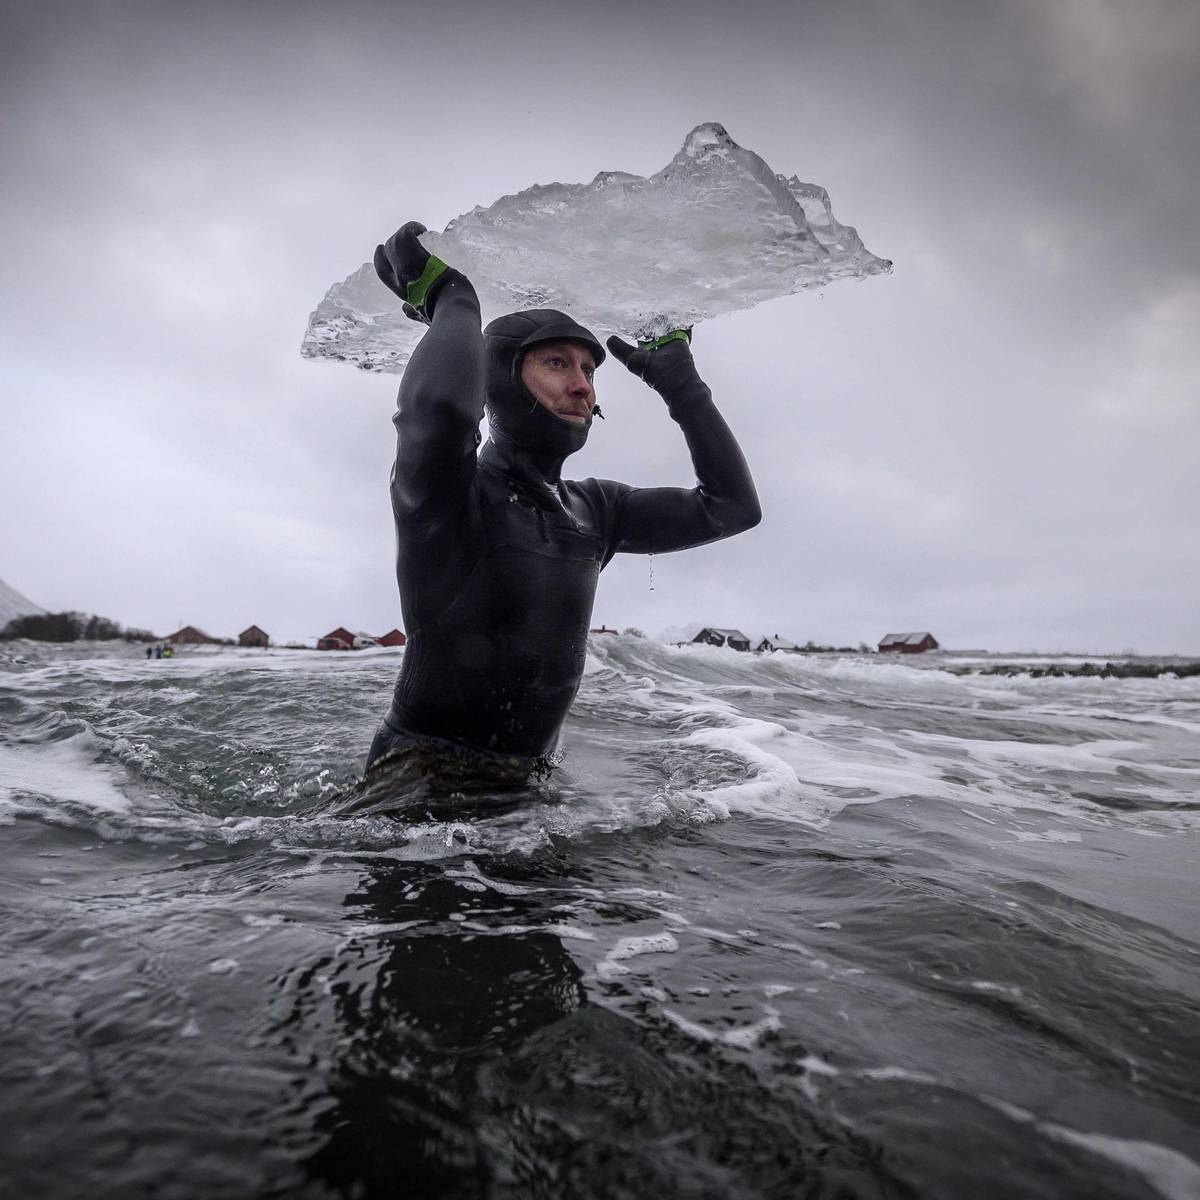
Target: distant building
x: 395, y: 638
x: 337, y: 639
x: 363, y: 640
x: 777, y: 643
x: 733, y: 638
x: 909, y: 643
x: 602, y: 629
x: 254, y: 637
x: 189, y: 635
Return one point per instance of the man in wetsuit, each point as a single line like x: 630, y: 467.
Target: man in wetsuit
x: 499, y: 556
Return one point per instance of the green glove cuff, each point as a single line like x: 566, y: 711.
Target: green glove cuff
x: 676, y: 335
x: 418, y: 290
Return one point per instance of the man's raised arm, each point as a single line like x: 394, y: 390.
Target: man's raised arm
x: 440, y: 403
x: 723, y: 502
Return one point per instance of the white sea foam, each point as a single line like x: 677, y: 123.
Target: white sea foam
x: 469, y: 873
x: 741, y: 1037
x: 1173, y: 1175
x: 557, y: 928
x: 798, y: 774
x: 632, y: 947
x: 896, y: 1075
x: 59, y: 772
x: 987, y: 985
x: 814, y: 763
x: 788, y: 738
x: 1169, y: 1172
x: 1046, y: 835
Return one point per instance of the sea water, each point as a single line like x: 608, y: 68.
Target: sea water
x: 778, y: 926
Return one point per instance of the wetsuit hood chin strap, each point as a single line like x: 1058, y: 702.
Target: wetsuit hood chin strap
x: 514, y: 415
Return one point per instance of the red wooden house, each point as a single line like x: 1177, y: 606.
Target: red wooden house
x: 189, y: 635
x: 908, y: 643
x: 337, y: 639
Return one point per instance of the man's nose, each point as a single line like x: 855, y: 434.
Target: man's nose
x: 580, y: 384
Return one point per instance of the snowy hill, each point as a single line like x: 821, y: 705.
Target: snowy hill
x: 13, y: 604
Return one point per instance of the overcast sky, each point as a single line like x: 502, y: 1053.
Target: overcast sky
x: 999, y: 443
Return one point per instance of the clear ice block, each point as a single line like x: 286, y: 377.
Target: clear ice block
x: 716, y: 230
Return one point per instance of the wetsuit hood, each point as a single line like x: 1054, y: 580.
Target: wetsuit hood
x: 512, y: 411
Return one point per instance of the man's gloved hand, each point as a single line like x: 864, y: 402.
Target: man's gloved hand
x: 665, y: 363
x: 409, y: 270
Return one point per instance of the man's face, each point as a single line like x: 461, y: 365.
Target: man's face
x: 559, y: 377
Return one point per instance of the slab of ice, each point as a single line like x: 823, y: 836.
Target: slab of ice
x: 716, y: 230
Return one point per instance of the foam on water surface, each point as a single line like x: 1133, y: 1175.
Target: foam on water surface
x: 713, y: 735
x: 64, y: 772
x: 1171, y: 1174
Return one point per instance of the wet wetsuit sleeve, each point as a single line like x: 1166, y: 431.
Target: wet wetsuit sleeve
x: 438, y: 411
x: 723, y: 502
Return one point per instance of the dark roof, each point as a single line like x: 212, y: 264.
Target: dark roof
x: 902, y: 639
x: 188, y: 629
x: 730, y: 635
x: 252, y: 629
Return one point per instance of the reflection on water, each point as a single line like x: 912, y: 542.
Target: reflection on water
x: 423, y: 1011
x: 469, y: 1062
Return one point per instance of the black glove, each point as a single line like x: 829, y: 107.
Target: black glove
x: 665, y: 363
x: 409, y: 270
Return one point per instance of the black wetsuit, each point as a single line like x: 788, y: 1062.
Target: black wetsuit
x: 498, y: 556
